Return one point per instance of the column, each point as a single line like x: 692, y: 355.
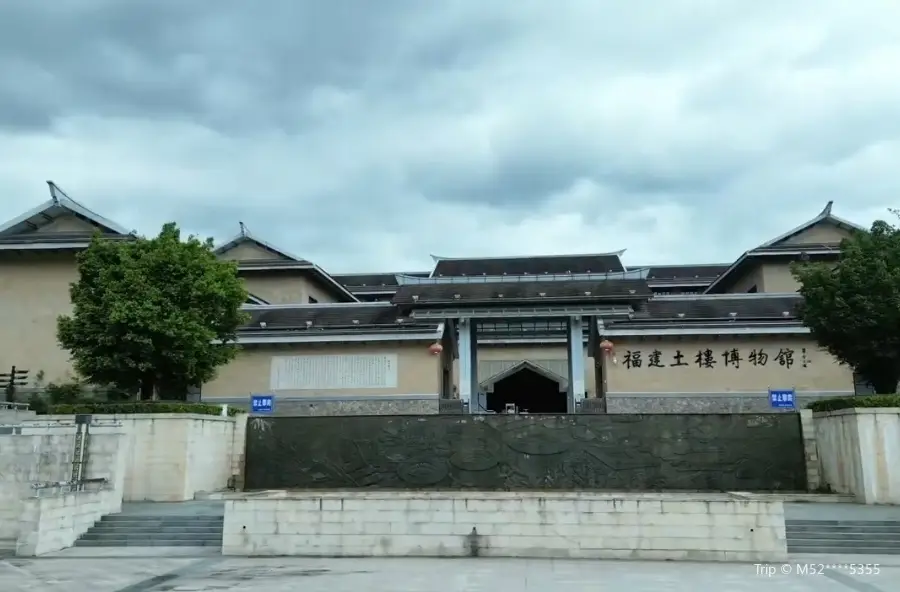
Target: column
x: 468, y: 365
x: 575, y: 342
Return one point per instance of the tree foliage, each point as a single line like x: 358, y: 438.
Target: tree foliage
x: 154, y: 316
x: 853, y: 309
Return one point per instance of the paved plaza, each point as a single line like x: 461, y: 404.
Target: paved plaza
x: 68, y: 572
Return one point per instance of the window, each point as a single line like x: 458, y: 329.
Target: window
x: 313, y: 300
x: 752, y: 290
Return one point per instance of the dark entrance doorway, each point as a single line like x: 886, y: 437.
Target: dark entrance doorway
x: 530, y: 390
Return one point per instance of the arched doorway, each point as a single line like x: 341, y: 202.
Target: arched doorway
x: 530, y: 388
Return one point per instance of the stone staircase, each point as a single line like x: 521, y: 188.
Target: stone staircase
x: 843, y: 536
x: 136, y: 530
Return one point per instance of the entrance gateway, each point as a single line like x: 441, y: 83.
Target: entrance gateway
x: 526, y: 310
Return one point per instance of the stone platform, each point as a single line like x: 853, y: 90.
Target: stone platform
x: 680, y: 526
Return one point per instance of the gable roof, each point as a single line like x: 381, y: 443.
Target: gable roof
x: 58, y: 206
x: 547, y: 264
x: 244, y: 236
x: 777, y: 247
x: 824, y: 216
x: 488, y: 384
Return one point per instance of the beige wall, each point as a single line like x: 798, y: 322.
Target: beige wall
x: 319, y: 292
x: 753, y: 278
x: 777, y: 278
x: 34, y: 291
x: 418, y: 370
x: 494, y: 359
x: 286, y: 287
x: 820, y: 374
x: 66, y: 224
x: 820, y: 234
x: 249, y: 251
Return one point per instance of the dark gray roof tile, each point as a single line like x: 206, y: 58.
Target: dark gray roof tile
x: 746, y: 308
x: 323, y: 316
x: 686, y: 272
x: 58, y: 237
x: 499, y: 266
x: 533, y: 291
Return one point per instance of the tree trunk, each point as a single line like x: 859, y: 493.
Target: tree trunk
x: 148, y: 390
x: 883, y: 379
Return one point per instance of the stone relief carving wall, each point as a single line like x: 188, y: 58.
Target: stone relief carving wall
x: 745, y: 452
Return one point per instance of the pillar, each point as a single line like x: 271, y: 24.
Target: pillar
x: 575, y: 341
x: 468, y: 365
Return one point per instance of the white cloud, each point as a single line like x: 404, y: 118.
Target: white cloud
x: 687, y: 131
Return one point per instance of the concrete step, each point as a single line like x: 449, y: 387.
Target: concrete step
x: 115, y: 528
x: 160, y: 517
x: 873, y: 530
x: 802, y: 549
x: 146, y: 543
x: 870, y: 542
x: 843, y: 536
x: 94, y: 535
x: 865, y: 523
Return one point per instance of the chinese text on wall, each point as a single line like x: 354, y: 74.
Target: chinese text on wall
x: 708, y: 359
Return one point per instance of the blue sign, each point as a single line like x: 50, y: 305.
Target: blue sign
x: 262, y: 403
x: 781, y: 398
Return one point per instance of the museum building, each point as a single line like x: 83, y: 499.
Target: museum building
x: 549, y: 334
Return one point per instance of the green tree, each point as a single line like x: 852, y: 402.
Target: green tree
x: 853, y: 308
x: 153, y: 316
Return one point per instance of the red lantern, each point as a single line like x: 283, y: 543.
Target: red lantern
x: 608, y: 349
x: 435, y: 348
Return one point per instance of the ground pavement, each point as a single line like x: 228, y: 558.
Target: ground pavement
x: 68, y: 572
x: 89, y: 569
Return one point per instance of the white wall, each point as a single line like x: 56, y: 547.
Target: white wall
x: 173, y: 456
x: 55, y: 522
x: 521, y: 524
x: 859, y: 453
x: 37, y: 451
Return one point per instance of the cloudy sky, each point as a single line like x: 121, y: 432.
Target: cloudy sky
x: 364, y: 134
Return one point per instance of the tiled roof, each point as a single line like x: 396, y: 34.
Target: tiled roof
x: 686, y: 272
x: 561, y: 264
x: 746, y: 308
x: 373, y: 281
x: 323, y: 316
x: 267, y: 264
x: 58, y: 237
x: 534, y: 291
x: 774, y: 250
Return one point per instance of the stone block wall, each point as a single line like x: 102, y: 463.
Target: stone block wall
x: 171, y: 456
x: 347, y: 405
x: 39, y: 451
x: 810, y: 450
x: 703, y: 403
x: 859, y: 453
x: 715, y: 527
x: 55, y: 522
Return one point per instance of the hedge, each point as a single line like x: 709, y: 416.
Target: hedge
x: 851, y: 402
x: 101, y: 408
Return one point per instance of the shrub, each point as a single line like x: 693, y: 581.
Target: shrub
x: 858, y: 402
x: 65, y: 393
x: 101, y: 408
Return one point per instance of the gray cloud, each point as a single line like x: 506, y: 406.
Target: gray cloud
x: 367, y: 135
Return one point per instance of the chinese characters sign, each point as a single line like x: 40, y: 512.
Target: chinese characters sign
x: 707, y: 359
